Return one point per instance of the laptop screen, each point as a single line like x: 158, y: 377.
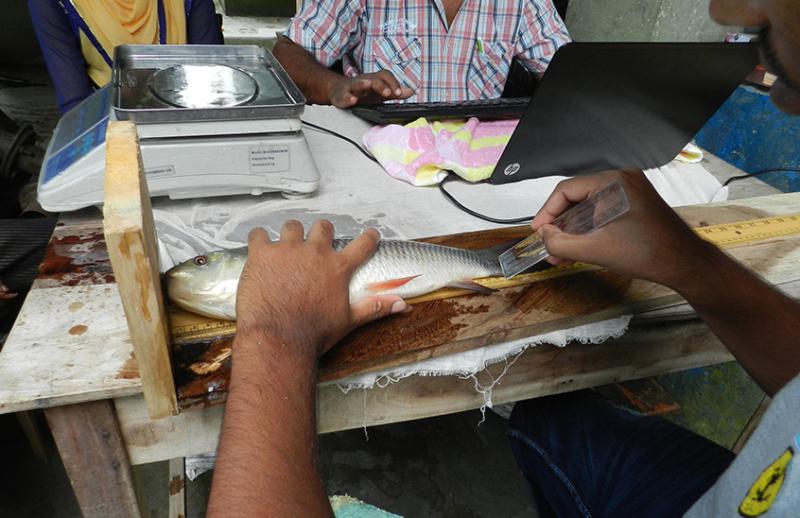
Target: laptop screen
x: 617, y: 105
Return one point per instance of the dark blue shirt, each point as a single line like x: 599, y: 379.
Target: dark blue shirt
x: 61, y: 47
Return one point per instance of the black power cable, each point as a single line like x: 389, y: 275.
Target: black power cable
x: 762, y: 171
x: 343, y: 137
x: 514, y: 221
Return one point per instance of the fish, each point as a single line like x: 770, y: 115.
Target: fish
x: 207, y: 284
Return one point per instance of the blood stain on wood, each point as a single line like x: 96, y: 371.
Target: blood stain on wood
x: 130, y: 369
x: 428, y: 325
x: 75, y: 306
x: 76, y: 259
x: 578, y: 294
x: 78, y: 329
x: 176, y: 485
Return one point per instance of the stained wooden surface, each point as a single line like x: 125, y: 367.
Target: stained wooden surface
x: 95, y: 458
x: 539, y: 371
x: 133, y: 250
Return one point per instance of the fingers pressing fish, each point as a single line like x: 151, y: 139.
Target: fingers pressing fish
x: 207, y: 284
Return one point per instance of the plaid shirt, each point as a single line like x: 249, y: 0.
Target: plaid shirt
x: 410, y: 38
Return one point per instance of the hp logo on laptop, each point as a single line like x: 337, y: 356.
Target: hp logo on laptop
x: 511, y: 169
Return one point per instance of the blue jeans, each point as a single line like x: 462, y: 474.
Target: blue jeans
x: 584, y: 456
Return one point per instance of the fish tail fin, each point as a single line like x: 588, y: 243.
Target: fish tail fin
x: 471, y: 286
x: 492, y: 255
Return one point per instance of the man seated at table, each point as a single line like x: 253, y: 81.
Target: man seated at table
x: 582, y: 455
x: 418, y: 51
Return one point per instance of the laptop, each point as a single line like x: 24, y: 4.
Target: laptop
x: 615, y: 105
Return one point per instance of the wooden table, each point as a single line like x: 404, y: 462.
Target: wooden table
x: 70, y: 354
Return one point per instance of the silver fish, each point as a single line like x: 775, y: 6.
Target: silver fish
x: 207, y: 284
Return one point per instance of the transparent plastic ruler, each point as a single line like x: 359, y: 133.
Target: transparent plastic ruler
x: 600, y: 208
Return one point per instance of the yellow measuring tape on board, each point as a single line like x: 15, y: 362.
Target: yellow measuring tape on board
x: 751, y: 231
x: 188, y: 327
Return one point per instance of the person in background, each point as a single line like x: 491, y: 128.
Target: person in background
x: 581, y: 455
x: 78, y: 37
x: 419, y: 50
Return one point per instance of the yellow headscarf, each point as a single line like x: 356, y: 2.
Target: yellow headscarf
x: 117, y: 22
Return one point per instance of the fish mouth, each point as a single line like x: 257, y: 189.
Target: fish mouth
x: 175, y: 270
x: 172, y: 282
x: 176, y: 274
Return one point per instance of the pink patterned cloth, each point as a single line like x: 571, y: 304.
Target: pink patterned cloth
x: 422, y: 152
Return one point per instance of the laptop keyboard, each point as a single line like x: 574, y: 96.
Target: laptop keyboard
x: 398, y: 113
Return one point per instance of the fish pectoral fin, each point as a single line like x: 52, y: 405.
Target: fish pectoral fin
x: 377, y: 287
x: 471, y: 286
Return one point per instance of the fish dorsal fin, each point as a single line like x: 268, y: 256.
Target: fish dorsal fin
x: 377, y: 287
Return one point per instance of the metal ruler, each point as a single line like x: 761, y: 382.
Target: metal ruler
x: 187, y: 327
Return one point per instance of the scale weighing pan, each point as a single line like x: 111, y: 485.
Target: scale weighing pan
x: 195, y: 83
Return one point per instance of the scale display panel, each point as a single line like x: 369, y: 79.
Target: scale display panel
x: 79, y: 131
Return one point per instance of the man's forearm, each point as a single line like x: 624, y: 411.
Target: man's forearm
x: 758, y: 324
x: 267, y: 454
x: 313, y: 78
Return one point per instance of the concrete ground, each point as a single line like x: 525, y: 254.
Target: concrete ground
x: 441, y: 467
x: 438, y: 467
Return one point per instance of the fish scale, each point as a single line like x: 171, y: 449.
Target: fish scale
x: 436, y: 266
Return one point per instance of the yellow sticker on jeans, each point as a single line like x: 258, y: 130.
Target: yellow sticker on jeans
x: 764, y: 491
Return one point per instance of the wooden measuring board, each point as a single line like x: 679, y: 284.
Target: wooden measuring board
x: 529, y: 304
x: 188, y: 327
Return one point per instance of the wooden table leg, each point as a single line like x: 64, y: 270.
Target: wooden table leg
x: 88, y: 438
x: 34, y: 428
x: 177, y: 488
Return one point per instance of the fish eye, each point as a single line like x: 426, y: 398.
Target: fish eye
x: 200, y: 260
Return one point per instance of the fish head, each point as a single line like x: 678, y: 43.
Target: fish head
x: 206, y: 284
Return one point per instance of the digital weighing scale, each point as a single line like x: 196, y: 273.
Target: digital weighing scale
x: 212, y: 120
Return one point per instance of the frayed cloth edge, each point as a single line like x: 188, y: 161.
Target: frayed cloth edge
x: 382, y: 380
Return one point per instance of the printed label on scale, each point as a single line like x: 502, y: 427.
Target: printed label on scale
x: 269, y: 159
x: 164, y: 170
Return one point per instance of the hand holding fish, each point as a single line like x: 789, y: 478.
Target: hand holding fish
x: 650, y: 242
x: 296, y: 291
